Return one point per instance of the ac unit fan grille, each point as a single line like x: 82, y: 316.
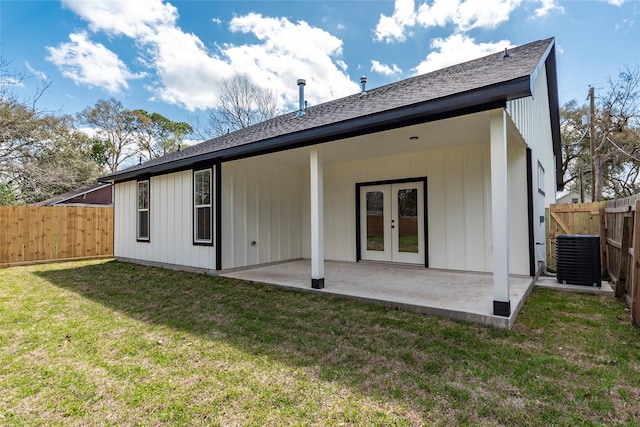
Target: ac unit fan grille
x: 578, y: 259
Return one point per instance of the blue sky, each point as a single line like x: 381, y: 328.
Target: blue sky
x: 169, y: 56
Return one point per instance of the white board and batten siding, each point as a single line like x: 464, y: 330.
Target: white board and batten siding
x: 458, y: 205
x: 531, y: 116
x: 171, y: 224
x: 261, y: 212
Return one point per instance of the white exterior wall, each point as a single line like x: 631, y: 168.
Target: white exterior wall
x: 261, y: 203
x: 518, y: 209
x: 532, y: 117
x: 171, y: 223
x: 458, y: 205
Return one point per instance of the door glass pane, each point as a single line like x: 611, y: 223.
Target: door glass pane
x: 375, y: 221
x: 408, y: 220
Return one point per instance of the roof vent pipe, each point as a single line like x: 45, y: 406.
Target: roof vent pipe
x: 301, y: 83
x: 363, y: 84
x: 506, y: 53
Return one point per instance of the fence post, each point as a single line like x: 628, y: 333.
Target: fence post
x: 621, y: 285
x: 634, y: 290
x: 604, y: 251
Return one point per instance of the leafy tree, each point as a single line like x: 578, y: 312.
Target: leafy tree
x: 241, y: 104
x: 158, y: 135
x: 126, y: 135
x: 7, y: 195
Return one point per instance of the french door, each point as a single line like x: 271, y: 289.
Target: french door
x: 392, y: 222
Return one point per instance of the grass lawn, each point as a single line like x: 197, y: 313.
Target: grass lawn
x: 109, y: 343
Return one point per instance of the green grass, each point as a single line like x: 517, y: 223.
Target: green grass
x: 408, y: 244
x: 108, y: 343
x: 405, y: 244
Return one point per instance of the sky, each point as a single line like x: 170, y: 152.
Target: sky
x: 170, y: 56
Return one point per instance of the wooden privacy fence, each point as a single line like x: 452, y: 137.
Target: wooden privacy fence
x: 46, y: 233
x: 622, y: 237
x: 617, y: 222
x: 572, y: 218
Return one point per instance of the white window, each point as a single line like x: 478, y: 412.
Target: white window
x: 202, y: 212
x: 540, y: 178
x: 143, y: 211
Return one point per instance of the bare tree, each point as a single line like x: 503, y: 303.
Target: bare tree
x: 41, y: 155
x: 116, y: 127
x: 62, y: 163
x: 575, y: 144
x: 242, y: 104
x: 618, y: 133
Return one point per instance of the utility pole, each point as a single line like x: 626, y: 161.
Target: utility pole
x: 581, y: 185
x: 592, y: 141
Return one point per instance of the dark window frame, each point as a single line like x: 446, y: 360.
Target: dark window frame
x: 197, y: 207
x: 139, y: 210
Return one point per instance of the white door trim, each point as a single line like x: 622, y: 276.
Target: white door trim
x: 390, y: 251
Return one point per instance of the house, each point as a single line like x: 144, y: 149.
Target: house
x: 95, y: 195
x: 573, y: 197
x: 448, y: 170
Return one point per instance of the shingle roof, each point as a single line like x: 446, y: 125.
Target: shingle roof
x: 476, y: 84
x: 70, y: 195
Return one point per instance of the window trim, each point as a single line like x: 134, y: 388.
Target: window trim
x: 541, y: 178
x: 146, y: 239
x: 210, y: 205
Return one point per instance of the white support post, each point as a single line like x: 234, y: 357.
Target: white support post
x: 500, y: 212
x: 317, y: 219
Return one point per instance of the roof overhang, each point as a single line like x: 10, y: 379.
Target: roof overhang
x: 477, y: 100
x: 554, y: 110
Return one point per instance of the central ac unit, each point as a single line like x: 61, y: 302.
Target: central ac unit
x: 578, y: 259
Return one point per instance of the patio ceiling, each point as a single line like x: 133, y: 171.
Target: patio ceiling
x: 462, y: 130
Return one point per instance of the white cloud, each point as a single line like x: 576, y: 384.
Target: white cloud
x: 486, y: 14
x: 39, y: 74
x: 439, y: 14
x: 217, y: 21
x: 288, y: 51
x: 384, y: 69
x: 392, y: 28
x: 7, y: 81
x: 546, y: 7
x: 463, y: 15
x: 189, y: 72
x: 455, y: 49
x: 92, y: 64
x: 616, y: 2
x: 130, y: 18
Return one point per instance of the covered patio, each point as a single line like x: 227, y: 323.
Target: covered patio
x: 451, y: 294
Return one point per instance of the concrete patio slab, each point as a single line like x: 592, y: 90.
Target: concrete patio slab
x: 450, y: 294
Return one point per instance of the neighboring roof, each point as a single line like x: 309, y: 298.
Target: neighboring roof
x: 472, y: 86
x: 81, y: 196
x: 570, y: 197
